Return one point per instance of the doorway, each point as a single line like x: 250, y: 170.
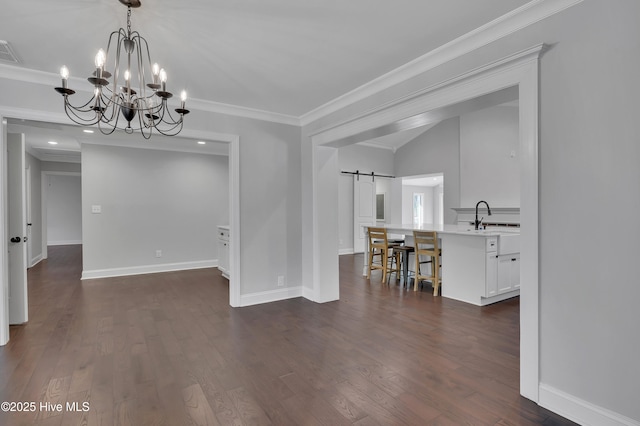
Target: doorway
x: 49, y: 119
x: 519, y: 71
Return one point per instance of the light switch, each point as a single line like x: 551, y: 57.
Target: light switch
x: 96, y: 209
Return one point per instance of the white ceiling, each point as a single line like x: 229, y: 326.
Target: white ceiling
x: 282, y: 56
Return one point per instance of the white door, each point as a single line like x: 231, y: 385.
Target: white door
x: 364, y: 209
x: 17, y: 229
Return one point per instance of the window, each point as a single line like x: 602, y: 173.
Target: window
x: 418, y: 207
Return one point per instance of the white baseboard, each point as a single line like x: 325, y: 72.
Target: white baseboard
x: 580, y: 411
x: 270, y: 296
x: 345, y: 251
x: 148, y: 269
x: 36, y: 260
x: 64, y: 243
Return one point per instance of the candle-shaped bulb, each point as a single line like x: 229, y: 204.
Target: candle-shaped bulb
x: 64, y: 73
x: 163, y: 79
x: 183, y: 98
x: 100, y: 58
x: 155, y: 70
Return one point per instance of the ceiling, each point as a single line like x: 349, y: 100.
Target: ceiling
x: 286, y: 57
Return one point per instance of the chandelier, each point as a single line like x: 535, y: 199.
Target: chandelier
x: 121, y: 99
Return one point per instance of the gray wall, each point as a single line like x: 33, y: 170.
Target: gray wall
x: 64, y: 210
x: 151, y: 200
x: 489, y: 158
x: 435, y: 151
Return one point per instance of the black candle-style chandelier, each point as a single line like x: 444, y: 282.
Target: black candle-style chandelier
x: 116, y: 99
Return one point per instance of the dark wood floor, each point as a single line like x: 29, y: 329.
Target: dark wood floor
x: 166, y: 349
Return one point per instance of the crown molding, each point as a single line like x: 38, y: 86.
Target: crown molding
x: 509, y: 23
x: 62, y: 156
x: 43, y: 78
x: 522, y: 17
x: 245, y: 112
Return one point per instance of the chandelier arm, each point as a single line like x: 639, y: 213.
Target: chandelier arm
x: 108, y: 131
x: 170, y: 132
x: 81, y: 108
x: 143, y: 128
x: 110, y: 110
x: 173, y: 120
x: 73, y: 116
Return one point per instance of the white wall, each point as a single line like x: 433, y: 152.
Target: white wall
x: 64, y: 210
x: 150, y: 200
x: 489, y: 157
x: 435, y: 151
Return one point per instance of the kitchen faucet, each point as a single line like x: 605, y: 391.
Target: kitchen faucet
x: 477, y: 222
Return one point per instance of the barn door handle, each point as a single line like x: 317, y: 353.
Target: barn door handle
x: 15, y: 239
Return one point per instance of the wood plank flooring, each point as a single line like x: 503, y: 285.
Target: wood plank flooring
x: 166, y: 349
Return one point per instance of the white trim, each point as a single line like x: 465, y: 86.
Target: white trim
x: 271, y: 296
x: 51, y: 80
x: 579, y: 410
x: 64, y: 243
x: 148, y: 269
x: 414, y: 103
x: 234, y: 222
x: 520, y: 69
x: 4, y: 245
x: 345, y: 251
x: 509, y: 23
x: 36, y: 260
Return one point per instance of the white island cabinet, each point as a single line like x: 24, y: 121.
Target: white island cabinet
x: 223, y: 250
x: 478, y: 267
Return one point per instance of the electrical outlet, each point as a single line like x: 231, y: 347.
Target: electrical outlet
x: 280, y: 280
x: 158, y: 253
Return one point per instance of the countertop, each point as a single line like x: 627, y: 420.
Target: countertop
x: 447, y: 229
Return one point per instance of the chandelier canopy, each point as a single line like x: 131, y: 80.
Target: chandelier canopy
x: 121, y: 99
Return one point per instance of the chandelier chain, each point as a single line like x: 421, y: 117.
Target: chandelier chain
x: 129, y: 21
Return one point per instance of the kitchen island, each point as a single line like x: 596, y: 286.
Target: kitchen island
x: 478, y: 267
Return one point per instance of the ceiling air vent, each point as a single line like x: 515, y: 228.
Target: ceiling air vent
x: 7, y: 54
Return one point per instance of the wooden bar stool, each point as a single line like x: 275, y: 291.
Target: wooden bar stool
x: 426, y: 245
x: 379, y: 245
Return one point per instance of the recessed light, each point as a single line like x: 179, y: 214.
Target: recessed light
x: 53, y: 143
x: 202, y: 143
x: 88, y: 131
